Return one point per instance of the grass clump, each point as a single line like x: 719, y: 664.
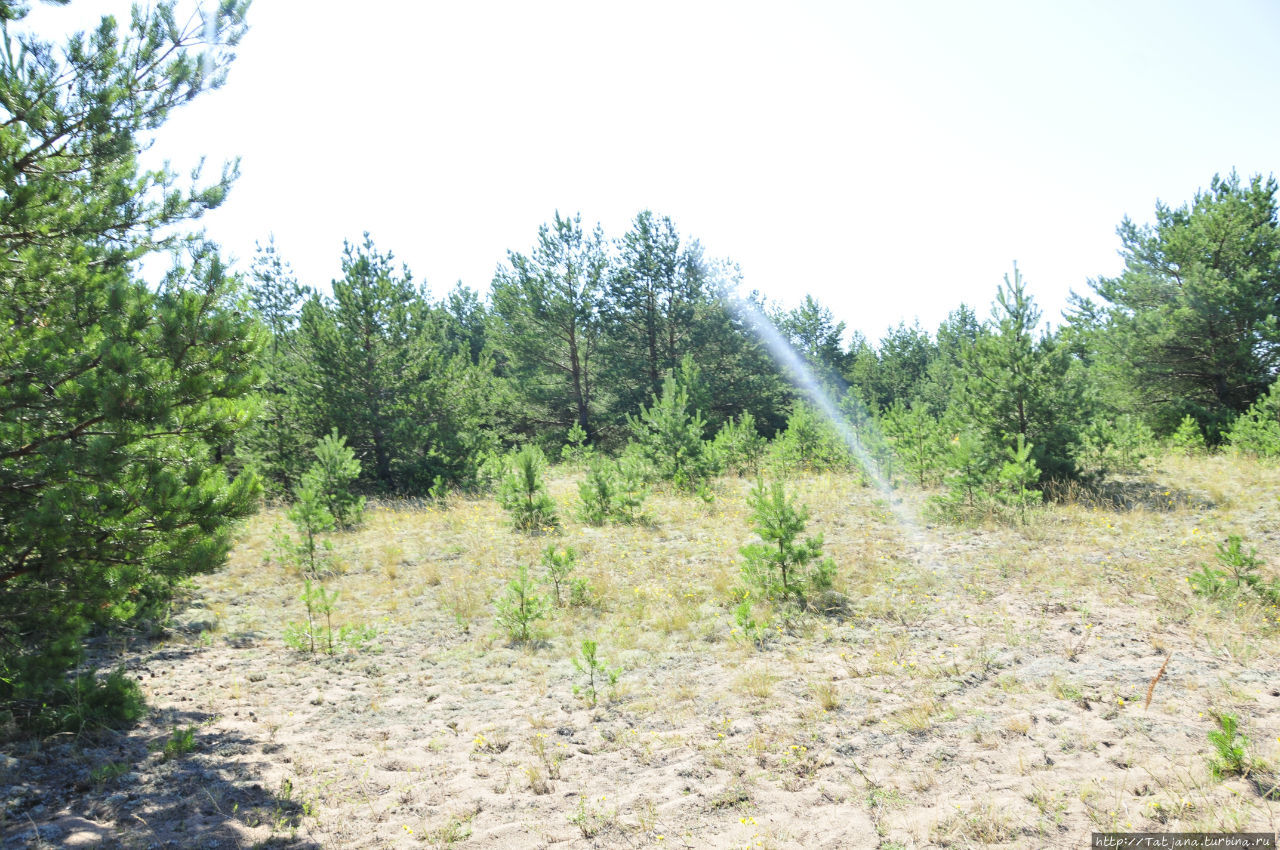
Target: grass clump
x: 179, y: 743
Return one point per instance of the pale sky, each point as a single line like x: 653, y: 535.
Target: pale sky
x: 893, y: 159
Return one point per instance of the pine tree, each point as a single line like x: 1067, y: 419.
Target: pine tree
x: 669, y: 435
x: 270, y: 445
x: 650, y: 306
x: 1019, y: 383
x: 780, y: 566
x: 815, y: 334
x: 547, y: 310
x: 1190, y: 326
x: 379, y: 370
x: 117, y: 397
x: 331, y: 475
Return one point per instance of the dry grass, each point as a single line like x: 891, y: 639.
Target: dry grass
x: 988, y: 684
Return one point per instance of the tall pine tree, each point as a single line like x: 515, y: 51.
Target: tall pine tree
x: 547, y: 323
x: 115, y: 397
x: 1190, y: 326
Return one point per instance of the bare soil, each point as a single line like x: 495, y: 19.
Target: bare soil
x: 986, y: 685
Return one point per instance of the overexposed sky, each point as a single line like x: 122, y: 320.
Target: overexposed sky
x: 891, y: 158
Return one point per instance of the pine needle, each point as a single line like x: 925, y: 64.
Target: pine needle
x: 1151, y: 688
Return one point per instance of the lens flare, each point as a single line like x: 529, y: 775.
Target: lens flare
x: 805, y: 380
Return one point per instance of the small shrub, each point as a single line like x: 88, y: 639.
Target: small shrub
x: 968, y: 487
x: 1117, y: 444
x: 312, y: 518
x: 738, y: 446
x: 612, y: 492
x: 86, y: 704
x: 304, y: 637
x: 597, y: 672
x: 1240, y: 573
x: 559, y: 564
x: 579, y: 593
x: 523, y: 492
x: 179, y: 743
x: 1231, y: 757
x: 668, y: 434
x: 1018, y: 475
x: 1257, y: 431
x: 109, y: 772
x: 521, y: 608
x: 809, y: 443
x: 779, y: 566
x: 918, y: 440
x: 576, y: 450
x: 1188, y: 439
x: 331, y: 476
x: 748, y: 627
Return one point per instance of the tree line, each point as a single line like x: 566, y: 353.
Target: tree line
x: 577, y: 334
x: 139, y: 422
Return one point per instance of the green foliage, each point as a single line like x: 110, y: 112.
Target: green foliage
x: 311, y: 517
x: 109, y: 772
x: 1189, y: 327
x: 967, y: 492
x: 1187, y: 439
x: 748, y: 627
x: 576, y: 450
x: 331, y: 476
x: 896, y: 370
x: 738, y: 446
x: 1239, y: 573
x: 547, y: 304
x: 1243, y: 566
x: 984, y: 481
x: 1257, y: 431
x: 612, y: 492
x: 116, y: 395
x: 918, y: 439
x: 669, y: 436
x: 559, y: 564
x: 179, y: 743
x: 597, y: 672
x: 1115, y: 444
x: 521, y: 608
x: 269, y: 445
x: 652, y: 312
x: 579, y: 592
x: 809, y: 443
x: 376, y: 365
x: 1018, y: 475
x: 523, y: 492
x: 1231, y: 748
x: 1020, y: 382
x: 305, y: 637
x: 812, y: 330
x: 86, y: 704
x: 780, y: 567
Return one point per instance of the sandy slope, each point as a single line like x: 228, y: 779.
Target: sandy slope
x: 987, y: 687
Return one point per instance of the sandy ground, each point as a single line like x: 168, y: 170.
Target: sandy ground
x: 985, y: 686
